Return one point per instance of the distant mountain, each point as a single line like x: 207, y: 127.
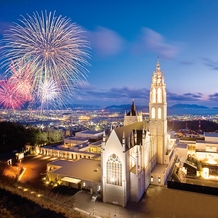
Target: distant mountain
x: 125, y: 107
x: 85, y: 107
x: 188, y: 106
x: 216, y: 108
x: 118, y: 106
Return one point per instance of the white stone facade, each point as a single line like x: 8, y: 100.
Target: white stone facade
x: 138, y: 154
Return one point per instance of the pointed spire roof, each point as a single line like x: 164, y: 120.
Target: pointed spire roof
x: 158, y: 65
x: 133, y: 107
x: 132, y: 112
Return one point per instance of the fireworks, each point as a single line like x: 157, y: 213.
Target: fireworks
x: 49, y: 93
x: 21, y: 79
x: 9, y: 96
x: 45, y: 52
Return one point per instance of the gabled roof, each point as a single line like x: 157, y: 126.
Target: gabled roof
x: 129, y: 131
x: 78, y: 169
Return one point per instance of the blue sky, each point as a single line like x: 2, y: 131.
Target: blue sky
x: 126, y: 39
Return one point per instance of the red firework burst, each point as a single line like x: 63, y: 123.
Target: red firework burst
x: 9, y: 96
x: 21, y: 79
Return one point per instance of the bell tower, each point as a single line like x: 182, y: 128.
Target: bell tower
x: 158, y: 115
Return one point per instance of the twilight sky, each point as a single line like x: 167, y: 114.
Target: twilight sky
x: 126, y: 39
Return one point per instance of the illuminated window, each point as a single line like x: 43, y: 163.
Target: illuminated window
x: 159, y: 95
x: 152, y: 112
x: 84, y: 184
x: 152, y: 179
x: 154, y: 95
x: 114, y: 170
x: 159, y: 113
x: 158, y: 179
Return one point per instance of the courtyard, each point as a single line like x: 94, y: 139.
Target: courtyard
x: 156, y: 202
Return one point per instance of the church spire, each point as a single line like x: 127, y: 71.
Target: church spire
x: 133, y: 107
x: 132, y: 116
x: 158, y: 114
x: 158, y: 65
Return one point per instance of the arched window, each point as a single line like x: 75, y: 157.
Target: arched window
x: 154, y: 96
x: 114, y: 170
x: 159, y: 95
x: 159, y: 113
x: 152, y: 112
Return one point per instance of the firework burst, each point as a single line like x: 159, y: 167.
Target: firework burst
x: 21, y: 79
x: 51, y: 47
x: 10, y: 98
x: 50, y: 94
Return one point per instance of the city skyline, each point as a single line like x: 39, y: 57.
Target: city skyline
x: 126, y: 41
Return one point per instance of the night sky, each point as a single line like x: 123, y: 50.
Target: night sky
x: 126, y: 39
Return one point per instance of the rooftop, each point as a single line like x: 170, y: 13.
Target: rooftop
x: 91, y: 132
x: 159, y: 169
x: 78, y: 169
x: 206, y: 142
x: 76, y: 138
x: 211, y: 134
x: 185, y: 146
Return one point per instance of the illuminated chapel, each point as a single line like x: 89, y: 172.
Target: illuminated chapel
x: 121, y: 166
x: 140, y: 152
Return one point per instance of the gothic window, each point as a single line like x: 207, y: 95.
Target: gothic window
x: 114, y: 170
x: 159, y: 95
x: 154, y: 96
x: 159, y: 113
x: 153, y: 113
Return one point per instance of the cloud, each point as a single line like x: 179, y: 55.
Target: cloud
x: 85, y: 85
x: 155, y: 42
x: 105, y: 42
x: 213, y: 97
x: 211, y: 64
x: 113, y: 94
x: 124, y: 95
x: 187, y: 97
x: 191, y: 95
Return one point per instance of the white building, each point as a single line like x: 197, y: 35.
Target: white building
x: 79, y: 176
x: 208, y: 148
x: 132, y: 156
x: 139, y: 153
x: 90, y: 134
x: 132, y: 116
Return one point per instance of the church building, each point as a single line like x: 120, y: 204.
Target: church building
x: 139, y: 153
x: 121, y: 166
x: 132, y: 116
